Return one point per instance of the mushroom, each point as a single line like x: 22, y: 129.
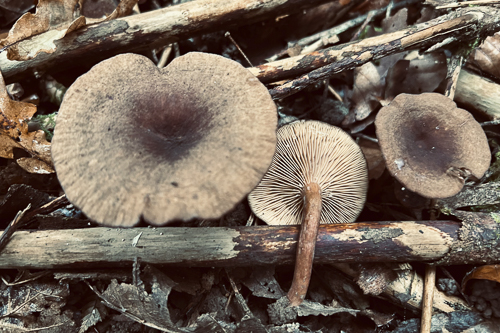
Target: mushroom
x: 318, y: 175
x: 430, y: 145
x: 189, y: 140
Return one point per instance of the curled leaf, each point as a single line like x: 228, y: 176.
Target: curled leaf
x: 487, y: 56
x: 486, y: 272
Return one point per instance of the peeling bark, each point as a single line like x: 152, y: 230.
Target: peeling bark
x: 439, y: 242
x: 460, y: 26
x: 150, y: 29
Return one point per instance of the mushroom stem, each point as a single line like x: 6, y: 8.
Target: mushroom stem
x: 306, y: 245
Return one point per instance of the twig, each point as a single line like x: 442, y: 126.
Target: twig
x: 428, y: 296
x: 454, y: 68
x: 340, y: 58
x: 348, y: 24
x: 490, y: 123
x: 18, y: 282
x: 149, y: 30
x: 430, y: 241
x: 368, y: 19
x: 469, y: 3
x: 228, y: 35
x: 164, y: 56
x: 22, y: 218
x: 366, y: 137
x: 12, y: 227
x: 334, y: 93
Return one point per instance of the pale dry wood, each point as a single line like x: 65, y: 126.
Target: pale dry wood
x: 429, y: 241
x: 478, y: 93
x: 460, y: 26
x: 408, y: 289
x: 155, y: 28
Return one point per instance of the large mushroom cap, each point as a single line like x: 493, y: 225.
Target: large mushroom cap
x: 312, y: 152
x: 190, y: 140
x: 430, y: 145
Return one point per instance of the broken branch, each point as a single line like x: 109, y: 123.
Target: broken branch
x: 434, y: 242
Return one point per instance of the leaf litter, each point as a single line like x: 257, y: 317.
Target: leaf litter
x: 203, y: 300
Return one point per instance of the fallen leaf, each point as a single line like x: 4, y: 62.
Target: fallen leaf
x: 367, y: 90
x: 416, y: 76
x: 93, y: 312
x: 14, y: 117
x: 486, y: 272
x: 487, y: 55
x: 263, y: 284
x: 53, y: 20
x: 374, y: 158
x: 146, y: 307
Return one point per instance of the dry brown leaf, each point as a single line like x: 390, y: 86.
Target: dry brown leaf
x: 53, y: 19
x: 486, y: 272
x: 374, y: 158
x: 367, y: 90
x: 487, y: 56
x: 14, y: 133
x: 416, y: 76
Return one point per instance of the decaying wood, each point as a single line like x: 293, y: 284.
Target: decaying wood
x: 408, y: 290
x: 440, y: 242
x: 462, y: 25
x: 478, y: 93
x: 150, y: 29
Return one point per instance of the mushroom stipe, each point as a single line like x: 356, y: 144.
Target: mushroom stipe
x: 318, y: 175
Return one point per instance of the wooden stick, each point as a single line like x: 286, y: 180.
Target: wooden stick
x: 428, y: 241
x: 149, y: 30
x: 478, y: 93
x: 323, y: 64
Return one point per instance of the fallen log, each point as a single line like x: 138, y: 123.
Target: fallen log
x: 474, y: 241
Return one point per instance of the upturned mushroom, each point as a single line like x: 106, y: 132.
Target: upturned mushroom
x: 318, y: 175
x: 189, y: 140
x: 430, y: 145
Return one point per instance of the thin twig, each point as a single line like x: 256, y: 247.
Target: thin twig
x: 469, y: 3
x: 228, y: 35
x: 164, y: 56
x: 22, y: 218
x: 348, y: 56
x: 350, y: 24
x: 18, y: 282
x: 454, y: 68
x: 369, y: 18
x: 491, y: 122
x: 334, y: 93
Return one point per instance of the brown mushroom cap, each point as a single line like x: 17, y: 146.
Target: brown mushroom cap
x: 312, y: 152
x: 430, y: 145
x: 189, y: 140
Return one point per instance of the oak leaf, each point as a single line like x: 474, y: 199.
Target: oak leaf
x: 14, y: 117
x: 487, y: 56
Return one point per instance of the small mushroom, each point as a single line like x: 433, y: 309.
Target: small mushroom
x: 318, y: 175
x: 189, y: 140
x: 430, y: 145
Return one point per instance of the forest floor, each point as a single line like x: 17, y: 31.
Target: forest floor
x: 421, y: 255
